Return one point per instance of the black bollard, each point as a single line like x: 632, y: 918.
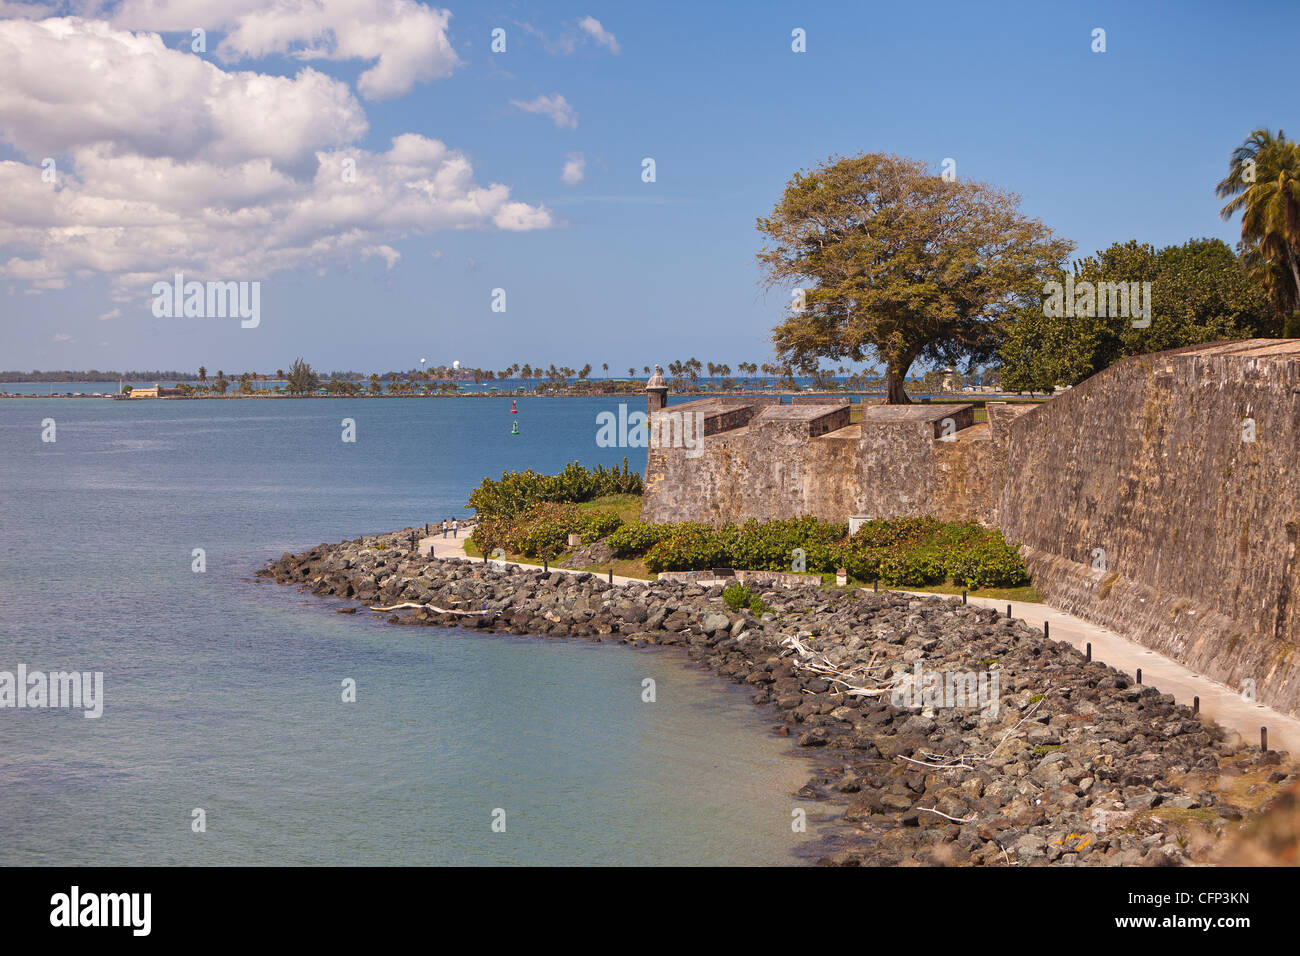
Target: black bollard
x: 1047, y: 629
x: 1196, y: 705
x: 875, y: 585
x: 963, y: 597
x: 1008, y: 612
x: 546, y: 566
x: 1263, y: 739
x: 611, y: 575
x: 1139, y: 675
x: 1088, y: 653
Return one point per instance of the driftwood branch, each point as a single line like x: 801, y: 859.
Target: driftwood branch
x: 945, y: 816
x: 851, y: 681
x: 426, y: 607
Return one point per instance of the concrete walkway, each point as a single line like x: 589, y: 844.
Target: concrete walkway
x: 1218, y: 701
x: 450, y: 547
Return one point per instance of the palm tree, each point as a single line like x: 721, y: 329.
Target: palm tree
x: 203, y: 373
x: 1263, y: 182
x: 604, y: 367
x: 631, y: 372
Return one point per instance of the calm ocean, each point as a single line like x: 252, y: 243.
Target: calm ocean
x: 223, y: 692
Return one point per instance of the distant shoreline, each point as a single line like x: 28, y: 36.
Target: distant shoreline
x: 682, y: 396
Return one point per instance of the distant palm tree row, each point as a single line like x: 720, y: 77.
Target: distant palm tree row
x: 684, y: 375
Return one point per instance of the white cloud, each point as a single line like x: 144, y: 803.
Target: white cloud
x: 418, y: 185
x: 575, y: 167
x: 169, y: 163
x: 390, y: 255
x: 111, y: 314
x: 406, y: 40
x: 70, y: 83
x: 555, y: 106
x: 569, y: 39
x: 591, y: 26
x: 62, y: 337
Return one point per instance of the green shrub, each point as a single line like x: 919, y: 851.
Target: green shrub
x: 738, y: 596
x: 517, y: 491
x: 917, y: 567
x: 988, y: 563
x: 902, y: 552
x: 636, y: 538
x: 543, y: 531
x: 771, y: 545
x: 862, y: 561
x: 687, y: 547
x: 896, y: 531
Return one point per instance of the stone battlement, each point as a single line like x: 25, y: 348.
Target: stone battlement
x: 1161, y: 497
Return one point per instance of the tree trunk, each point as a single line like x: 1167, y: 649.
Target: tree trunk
x: 894, y: 391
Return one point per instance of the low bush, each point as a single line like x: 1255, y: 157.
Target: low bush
x: 636, y: 538
x: 738, y: 596
x: 543, y: 531
x: 518, y: 491
x: 902, y: 552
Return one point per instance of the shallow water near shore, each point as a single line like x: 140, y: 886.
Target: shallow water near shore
x: 223, y: 692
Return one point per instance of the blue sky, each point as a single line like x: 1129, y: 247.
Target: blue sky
x: 1101, y: 146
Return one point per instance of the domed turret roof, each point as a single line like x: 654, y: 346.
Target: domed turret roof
x: 656, y: 380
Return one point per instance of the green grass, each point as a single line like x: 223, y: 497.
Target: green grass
x: 623, y: 567
x: 627, y: 507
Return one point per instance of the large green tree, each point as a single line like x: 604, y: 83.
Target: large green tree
x: 1263, y: 184
x: 1199, y: 292
x: 900, y: 264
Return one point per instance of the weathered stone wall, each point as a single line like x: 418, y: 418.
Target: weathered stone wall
x: 788, y: 461
x: 1135, y: 501
x: 1139, y: 506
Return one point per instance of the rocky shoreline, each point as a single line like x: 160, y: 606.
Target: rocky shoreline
x: 941, y: 733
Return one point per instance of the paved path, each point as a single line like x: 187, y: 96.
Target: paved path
x: 450, y: 547
x: 1218, y: 701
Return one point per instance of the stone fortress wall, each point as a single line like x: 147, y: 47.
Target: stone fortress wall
x: 1137, y: 499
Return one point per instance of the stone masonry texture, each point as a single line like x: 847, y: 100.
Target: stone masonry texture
x: 1138, y: 499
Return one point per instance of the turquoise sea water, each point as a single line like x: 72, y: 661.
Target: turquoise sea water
x: 223, y: 692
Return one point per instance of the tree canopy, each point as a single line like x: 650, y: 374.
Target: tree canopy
x: 900, y: 264
x: 1199, y: 293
